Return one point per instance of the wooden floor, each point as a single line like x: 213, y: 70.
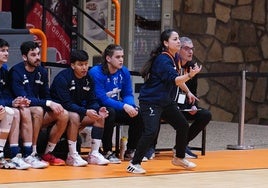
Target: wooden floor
x: 232, y: 168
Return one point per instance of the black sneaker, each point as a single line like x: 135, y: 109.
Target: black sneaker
x: 189, y: 154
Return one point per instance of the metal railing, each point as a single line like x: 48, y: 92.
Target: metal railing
x: 241, y: 124
x: 115, y: 36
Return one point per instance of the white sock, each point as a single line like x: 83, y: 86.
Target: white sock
x: 95, y: 145
x: 2, y: 144
x: 50, y: 147
x: 72, y: 147
x: 34, y: 149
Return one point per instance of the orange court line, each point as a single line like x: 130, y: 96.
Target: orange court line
x: 224, y: 160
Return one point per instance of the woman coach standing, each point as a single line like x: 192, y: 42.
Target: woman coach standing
x: 157, y: 100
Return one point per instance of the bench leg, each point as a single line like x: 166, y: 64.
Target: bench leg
x: 203, y: 148
x: 117, y: 140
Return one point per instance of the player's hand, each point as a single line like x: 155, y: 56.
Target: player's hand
x: 132, y: 112
x: 103, y: 112
x: 56, y: 107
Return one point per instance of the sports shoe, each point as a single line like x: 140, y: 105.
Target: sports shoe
x: 35, y: 161
x: 20, y: 163
x: 145, y: 159
x: 135, y: 169
x: 52, y: 160
x: 112, y: 158
x: 188, y: 153
x: 150, y: 154
x: 97, y: 158
x: 4, y: 164
x: 129, y: 154
x: 183, y: 163
x: 75, y: 160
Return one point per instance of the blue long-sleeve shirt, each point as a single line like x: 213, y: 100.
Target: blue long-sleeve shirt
x: 113, y: 90
x: 160, y: 88
x: 76, y: 95
x: 33, y: 85
x: 5, y: 94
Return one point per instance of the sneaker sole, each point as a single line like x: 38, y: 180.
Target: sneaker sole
x: 115, y: 162
x: 25, y: 168
x: 181, y: 165
x: 76, y: 165
x: 7, y: 167
x: 102, y: 164
x: 39, y: 167
x: 57, y: 164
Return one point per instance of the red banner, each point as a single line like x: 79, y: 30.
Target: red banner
x: 57, y: 38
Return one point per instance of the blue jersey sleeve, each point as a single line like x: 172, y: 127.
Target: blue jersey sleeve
x: 104, y: 85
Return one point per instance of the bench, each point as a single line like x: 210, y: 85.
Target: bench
x: 201, y: 148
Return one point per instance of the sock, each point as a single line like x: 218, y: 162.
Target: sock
x: 95, y: 145
x: 27, y: 149
x: 50, y: 147
x: 34, y: 149
x: 14, y: 150
x: 72, y: 147
x: 2, y: 144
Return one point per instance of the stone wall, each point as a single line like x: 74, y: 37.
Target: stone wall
x: 229, y: 36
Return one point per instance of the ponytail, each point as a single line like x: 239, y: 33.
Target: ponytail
x: 146, y: 69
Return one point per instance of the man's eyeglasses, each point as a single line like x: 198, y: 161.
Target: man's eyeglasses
x: 187, y: 48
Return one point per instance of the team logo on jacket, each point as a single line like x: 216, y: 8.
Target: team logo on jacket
x: 38, y: 81
x: 2, y: 82
x: 25, y: 79
x: 72, y: 85
x: 86, y: 88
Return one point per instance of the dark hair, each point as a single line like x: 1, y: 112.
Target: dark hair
x: 3, y: 43
x: 109, y: 51
x: 28, y: 46
x: 78, y: 55
x: 165, y: 35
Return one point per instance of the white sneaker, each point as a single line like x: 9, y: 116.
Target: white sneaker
x: 183, y: 163
x: 20, y: 163
x: 135, y: 169
x: 145, y: 159
x: 4, y: 164
x: 75, y: 160
x: 97, y: 158
x: 112, y: 158
x: 35, y: 161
